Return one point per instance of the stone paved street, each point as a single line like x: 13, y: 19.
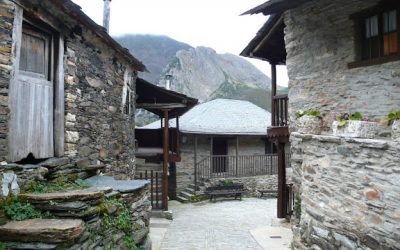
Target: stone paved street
x: 218, y: 225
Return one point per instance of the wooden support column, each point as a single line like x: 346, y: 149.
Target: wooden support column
x: 237, y: 154
x: 178, y: 149
x: 273, y: 93
x: 165, y: 160
x: 281, y: 180
x: 195, y: 162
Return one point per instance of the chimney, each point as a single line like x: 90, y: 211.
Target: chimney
x: 168, y: 78
x: 106, y: 15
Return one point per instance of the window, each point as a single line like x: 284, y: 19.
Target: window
x: 377, y: 36
x: 128, y: 93
x: 270, y: 147
x: 35, y: 51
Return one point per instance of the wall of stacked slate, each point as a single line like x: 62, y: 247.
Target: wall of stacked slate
x: 320, y: 39
x: 96, y: 79
x: 349, y: 187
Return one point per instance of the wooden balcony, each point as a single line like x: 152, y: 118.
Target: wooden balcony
x: 150, y: 144
x: 279, y: 119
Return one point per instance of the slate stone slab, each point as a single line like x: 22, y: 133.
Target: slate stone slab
x: 55, y: 162
x: 81, y: 195
x: 42, y: 230
x: 123, y: 186
x: 63, y: 206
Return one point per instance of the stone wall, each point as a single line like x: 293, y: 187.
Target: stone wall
x: 99, y: 217
x: 96, y: 83
x: 248, y: 145
x: 319, y: 39
x: 96, y: 127
x: 350, y: 192
x: 6, y: 26
x: 251, y: 184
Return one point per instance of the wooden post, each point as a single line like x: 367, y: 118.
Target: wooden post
x: 237, y: 152
x: 281, y: 180
x: 166, y: 160
x: 211, y: 155
x: 59, y: 101
x: 178, y: 150
x: 195, y: 162
x: 273, y: 93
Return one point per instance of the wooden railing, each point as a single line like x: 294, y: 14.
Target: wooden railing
x: 224, y: 166
x: 155, y: 179
x: 279, y: 116
x: 153, y: 138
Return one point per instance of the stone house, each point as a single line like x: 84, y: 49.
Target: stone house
x: 224, y: 139
x: 67, y: 88
x: 67, y: 104
x: 341, y: 56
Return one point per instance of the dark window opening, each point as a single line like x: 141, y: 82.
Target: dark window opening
x: 376, y: 34
x: 270, y: 148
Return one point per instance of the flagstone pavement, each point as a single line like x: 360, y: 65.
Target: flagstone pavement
x: 225, y: 224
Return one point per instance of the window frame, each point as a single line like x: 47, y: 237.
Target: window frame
x: 359, y: 34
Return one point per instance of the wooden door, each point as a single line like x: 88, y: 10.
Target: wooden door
x: 32, y: 97
x: 219, y: 154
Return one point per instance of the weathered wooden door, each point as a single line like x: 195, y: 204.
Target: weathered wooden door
x: 31, y: 129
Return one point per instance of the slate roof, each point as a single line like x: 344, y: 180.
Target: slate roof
x: 71, y: 15
x: 222, y: 117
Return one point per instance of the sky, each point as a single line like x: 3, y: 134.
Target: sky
x: 211, y: 23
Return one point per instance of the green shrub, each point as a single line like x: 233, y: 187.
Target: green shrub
x: 58, y: 185
x: 315, y: 113
x: 392, y: 116
x: 2, y: 246
x: 130, y: 243
x: 17, y: 210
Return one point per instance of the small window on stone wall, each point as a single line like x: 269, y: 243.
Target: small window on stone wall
x: 128, y: 102
x: 376, y: 34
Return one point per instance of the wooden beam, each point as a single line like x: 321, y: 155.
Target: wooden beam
x: 160, y: 105
x: 165, y: 161
x: 273, y: 93
x: 59, y: 101
x: 267, y: 36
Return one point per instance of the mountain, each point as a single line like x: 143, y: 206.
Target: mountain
x: 207, y: 75
x: 156, y: 52
x: 198, y: 72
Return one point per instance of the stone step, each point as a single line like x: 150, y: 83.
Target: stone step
x: 79, y: 195
x: 182, y: 199
x: 42, y: 230
x: 185, y: 195
x: 199, y: 186
x: 190, y: 191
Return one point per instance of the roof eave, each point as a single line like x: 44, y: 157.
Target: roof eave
x: 275, y: 6
x: 75, y: 11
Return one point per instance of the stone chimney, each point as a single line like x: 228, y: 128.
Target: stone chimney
x: 106, y: 15
x: 168, y: 78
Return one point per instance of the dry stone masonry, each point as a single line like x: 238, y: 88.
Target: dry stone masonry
x: 349, y: 187
x: 94, y: 89
x: 319, y: 38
